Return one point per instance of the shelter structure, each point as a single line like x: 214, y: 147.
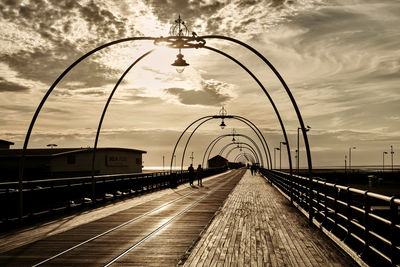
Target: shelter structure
x: 69, y: 162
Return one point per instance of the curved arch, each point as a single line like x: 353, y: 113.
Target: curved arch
x: 212, y: 117
x: 184, y: 151
x: 234, y: 148
x: 240, y: 143
x: 223, y: 136
x: 266, y: 93
x: 244, y: 154
x: 104, y: 113
x: 49, y: 91
x: 289, y: 93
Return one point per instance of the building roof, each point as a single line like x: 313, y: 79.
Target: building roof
x: 218, y: 157
x: 59, y: 151
x: 6, y: 142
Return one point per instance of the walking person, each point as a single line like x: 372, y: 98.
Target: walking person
x: 252, y: 169
x: 191, y: 174
x: 199, y: 175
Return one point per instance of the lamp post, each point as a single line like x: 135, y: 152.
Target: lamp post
x: 298, y: 141
x: 192, y: 157
x: 163, y: 160
x: 345, y: 163
x: 223, y: 114
x: 275, y: 149
x: 280, y: 154
x: 391, y: 154
x: 350, y: 148
x: 383, y: 162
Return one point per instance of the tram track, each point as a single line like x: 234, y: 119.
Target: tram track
x: 143, y: 216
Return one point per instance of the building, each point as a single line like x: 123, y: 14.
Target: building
x: 217, y: 162
x: 69, y: 162
x: 5, y: 144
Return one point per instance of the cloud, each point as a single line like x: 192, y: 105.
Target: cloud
x: 6, y: 86
x: 211, y: 94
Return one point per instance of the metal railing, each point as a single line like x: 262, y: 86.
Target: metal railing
x: 365, y: 222
x: 43, y: 198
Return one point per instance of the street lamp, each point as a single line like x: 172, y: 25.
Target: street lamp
x: 350, y: 157
x: 233, y: 135
x: 383, y: 162
x: 275, y: 149
x: 180, y: 30
x: 192, y: 157
x: 222, y: 113
x: 298, y: 149
x: 391, y: 154
x: 345, y: 163
x: 280, y: 154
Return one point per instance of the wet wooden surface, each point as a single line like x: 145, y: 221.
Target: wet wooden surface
x: 176, y: 221
x: 257, y: 227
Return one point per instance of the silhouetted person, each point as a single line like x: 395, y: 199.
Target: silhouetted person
x: 191, y: 174
x: 252, y: 169
x: 199, y: 175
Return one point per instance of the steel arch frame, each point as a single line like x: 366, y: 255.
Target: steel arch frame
x: 209, y: 117
x: 241, y: 143
x: 216, y: 140
x: 243, y: 154
x: 62, y: 75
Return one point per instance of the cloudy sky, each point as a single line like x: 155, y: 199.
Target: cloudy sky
x: 341, y: 59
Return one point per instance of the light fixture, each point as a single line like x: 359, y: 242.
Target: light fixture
x: 222, y: 125
x: 180, y: 63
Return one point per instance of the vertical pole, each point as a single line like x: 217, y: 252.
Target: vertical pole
x: 275, y: 158
x: 298, y: 151
x: 163, y: 160
x: 350, y: 159
x: 280, y: 156
x: 394, y: 236
x: 345, y: 164
x: 391, y: 154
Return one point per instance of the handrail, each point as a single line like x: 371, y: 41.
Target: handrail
x: 348, y: 214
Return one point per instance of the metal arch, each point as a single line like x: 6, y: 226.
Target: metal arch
x: 49, y: 91
x: 212, y: 117
x: 266, y: 93
x: 226, y: 135
x: 104, y: 113
x: 289, y: 93
x: 190, y: 136
x: 245, y: 155
x: 180, y: 137
x: 259, y: 135
x: 234, y: 148
x: 240, y: 156
x: 241, y: 143
x: 262, y: 136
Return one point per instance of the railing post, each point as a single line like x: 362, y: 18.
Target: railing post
x: 325, y: 203
x: 335, y: 206
x: 310, y: 206
x: 318, y: 202
x: 348, y: 214
x: 393, y: 231
x: 367, y: 210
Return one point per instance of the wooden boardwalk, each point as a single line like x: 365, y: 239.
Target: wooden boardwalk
x: 258, y: 227
x: 156, y: 232
x: 231, y: 221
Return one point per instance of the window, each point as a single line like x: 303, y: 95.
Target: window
x: 71, y: 159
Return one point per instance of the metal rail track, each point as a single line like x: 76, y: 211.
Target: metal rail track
x: 136, y: 219
x: 126, y: 251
